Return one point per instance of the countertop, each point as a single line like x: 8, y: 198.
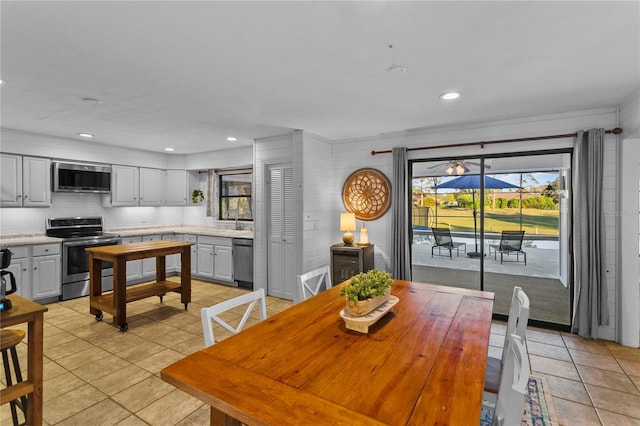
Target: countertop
x: 212, y: 231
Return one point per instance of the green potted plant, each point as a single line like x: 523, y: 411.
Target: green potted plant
x: 366, y: 291
x: 197, y: 196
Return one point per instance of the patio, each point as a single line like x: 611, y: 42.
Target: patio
x: 549, y: 298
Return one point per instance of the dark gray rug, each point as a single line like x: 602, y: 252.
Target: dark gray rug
x: 549, y: 299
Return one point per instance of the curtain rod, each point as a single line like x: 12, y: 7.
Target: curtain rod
x: 615, y: 131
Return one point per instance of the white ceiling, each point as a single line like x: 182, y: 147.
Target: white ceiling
x: 187, y: 74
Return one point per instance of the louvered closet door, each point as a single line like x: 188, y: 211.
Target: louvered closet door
x: 281, y: 244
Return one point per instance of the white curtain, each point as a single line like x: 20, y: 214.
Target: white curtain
x: 590, y: 308
x: 400, y: 250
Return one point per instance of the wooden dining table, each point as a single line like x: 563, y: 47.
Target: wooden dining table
x: 423, y: 363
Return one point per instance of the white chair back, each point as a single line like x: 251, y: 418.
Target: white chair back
x: 211, y: 314
x: 518, y: 319
x: 513, y: 385
x: 310, y: 283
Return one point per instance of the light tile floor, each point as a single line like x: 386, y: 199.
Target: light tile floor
x: 93, y: 374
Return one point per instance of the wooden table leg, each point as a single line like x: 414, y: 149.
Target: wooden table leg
x: 120, y: 293
x: 95, y: 283
x: 35, y: 370
x: 218, y: 418
x: 161, y: 268
x: 185, y: 276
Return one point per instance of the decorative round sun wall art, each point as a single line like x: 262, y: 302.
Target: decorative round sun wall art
x: 367, y: 193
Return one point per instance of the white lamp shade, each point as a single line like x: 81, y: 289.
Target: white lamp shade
x: 347, y: 222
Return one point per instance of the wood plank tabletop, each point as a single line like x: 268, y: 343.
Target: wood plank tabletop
x: 142, y: 250
x: 423, y: 363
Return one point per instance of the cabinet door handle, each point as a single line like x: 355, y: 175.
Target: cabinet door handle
x: 35, y: 267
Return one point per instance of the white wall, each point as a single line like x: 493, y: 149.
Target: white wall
x: 627, y: 216
x: 316, y: 209
x: 349, y: 156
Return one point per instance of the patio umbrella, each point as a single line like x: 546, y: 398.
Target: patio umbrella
x: 473, y: 182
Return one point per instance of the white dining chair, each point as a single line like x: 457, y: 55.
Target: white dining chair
x: 211, y: 314
x: 516, y: 324
x: 509, y: 406
x: 310, y: 283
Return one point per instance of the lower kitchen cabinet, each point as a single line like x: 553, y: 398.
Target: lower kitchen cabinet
x: 21, y: 269
x: 47, y: 271
x: 223, y: 262
x: 173, y: 260
x: 134, y: 267
x: 205, y: 260
x: 193, y: 239
x: 215, y: 259
x: 37, y: 270
x: 149, y: 265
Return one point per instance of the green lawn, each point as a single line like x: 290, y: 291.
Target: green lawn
x: 534, y: 221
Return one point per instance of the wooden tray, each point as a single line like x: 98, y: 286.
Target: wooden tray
x: 361, y: 324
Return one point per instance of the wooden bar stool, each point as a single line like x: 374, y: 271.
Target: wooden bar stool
x: 8, y: 341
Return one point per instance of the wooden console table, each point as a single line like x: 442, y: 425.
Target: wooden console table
x: 24, y: 310
x: 115, y: 303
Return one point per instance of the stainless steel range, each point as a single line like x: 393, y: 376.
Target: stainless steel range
x: 79, y: 233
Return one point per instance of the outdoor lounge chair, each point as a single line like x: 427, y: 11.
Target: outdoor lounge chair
x: 510, y: 242
x: 442, y: 237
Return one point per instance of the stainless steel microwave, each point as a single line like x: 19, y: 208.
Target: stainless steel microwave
x: 79, y: 177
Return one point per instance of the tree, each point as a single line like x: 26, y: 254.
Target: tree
x: 551, y: 190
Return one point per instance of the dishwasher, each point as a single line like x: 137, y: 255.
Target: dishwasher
x: 243, y: 262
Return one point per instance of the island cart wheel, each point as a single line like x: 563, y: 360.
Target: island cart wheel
x: 99, y: 317
x: 124, y: 327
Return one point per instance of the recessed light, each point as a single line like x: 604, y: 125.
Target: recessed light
x: 85, y: 135
x: 169, y: 149
x: 397, y: 68
x: 232, y: 139
x: 2, y: 81
x: 449, y: 96
x: 92, y: 101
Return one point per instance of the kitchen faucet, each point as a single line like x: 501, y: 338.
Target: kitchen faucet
x: 226, y: 215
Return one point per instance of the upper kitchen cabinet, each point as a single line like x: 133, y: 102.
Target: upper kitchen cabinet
x: 26, y: 181
x: 124, y: 186
x: 177, y: 188
x: 151, y: 187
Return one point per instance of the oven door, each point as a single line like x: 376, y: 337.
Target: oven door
x: 75, y: 260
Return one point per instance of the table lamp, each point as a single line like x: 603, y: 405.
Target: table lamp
x: 348, y: 224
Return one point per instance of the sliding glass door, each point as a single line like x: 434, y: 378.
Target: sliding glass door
x: 492, y: 223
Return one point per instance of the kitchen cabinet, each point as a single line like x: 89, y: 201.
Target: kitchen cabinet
x: 173, y: 260
x: 193, y: 239
x: 205, y: 260
x: 134, y: 267
x: 151, y: 187
x: 177, y: 188
x: 215, y: 259
x: 223, y: 263
x: 20, y: 269
x: 47, y: 272
x: 124, y: 186
x: 38, y: 270
x: 25, y: 181
x: 149, y: 264
x: 347, y: 261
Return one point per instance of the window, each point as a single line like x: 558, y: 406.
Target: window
x: 235, y: 194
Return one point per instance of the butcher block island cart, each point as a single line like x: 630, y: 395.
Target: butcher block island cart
x: 115, y: 303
